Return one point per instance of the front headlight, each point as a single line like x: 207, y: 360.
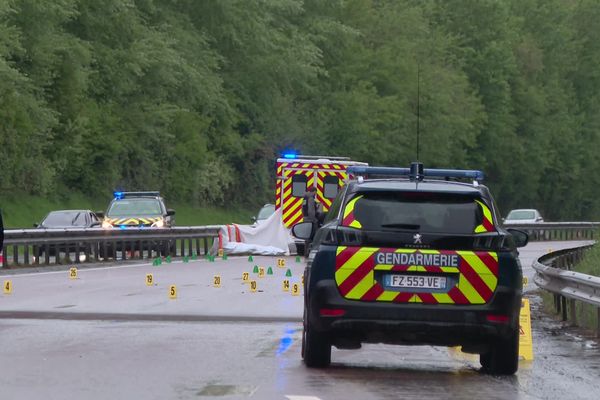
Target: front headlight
x: 158, y: 224
x: 106, y: 225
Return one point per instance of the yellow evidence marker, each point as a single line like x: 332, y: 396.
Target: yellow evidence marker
x: 281, y: 262
x: 295, y: 289
x: 525, y: 338
x: 7, y: 287
x: 217, y: 281
x: 245, y: 277
x: 172, y: 292
x: 149, y: 280
x: 253, y: 286
x: 220, y: 253
x: 286, y: 285
x: 261, y: 272
x: 525, y: 281
x: 73, y: 273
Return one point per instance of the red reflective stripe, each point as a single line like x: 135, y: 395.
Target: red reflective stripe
x: 487, y: 224
x: 497, y: 318
x: 457, y: 296
x: 427, y: 298
x: 238, y: 235
x: 491, y: 263
x: 403, y: 297
x: 356, y: 276
x: 344, y: 256
x: 475, y: 280
x: 373, y: 293
x: 331, y: 312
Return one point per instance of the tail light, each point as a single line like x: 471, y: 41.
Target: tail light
x: 497, y: 318
x: 331, y: 312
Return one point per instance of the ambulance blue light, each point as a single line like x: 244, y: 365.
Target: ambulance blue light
x: 118, y: 195
x: 290, y: 155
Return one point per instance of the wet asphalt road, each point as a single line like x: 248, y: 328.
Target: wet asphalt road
x: 108, y: 335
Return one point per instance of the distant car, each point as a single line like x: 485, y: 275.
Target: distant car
x: 66, y: 219
x: 265, y: 212
x: 1, y: 238
x: 523, y: 216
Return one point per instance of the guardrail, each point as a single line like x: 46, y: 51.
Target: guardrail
x: 58, y: 246
x: 544, y: 231
x: 553, y: 273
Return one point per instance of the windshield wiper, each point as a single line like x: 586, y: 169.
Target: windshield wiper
x: 414, y: 227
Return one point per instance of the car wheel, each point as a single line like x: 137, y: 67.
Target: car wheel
x: 316, y: 348
x: 503, y: 356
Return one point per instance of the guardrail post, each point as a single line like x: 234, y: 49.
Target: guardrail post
x: 205, y: 245
x: 598, y: 322
x: 573, y: 310
x: 563, y: 307
x: 557, y: 303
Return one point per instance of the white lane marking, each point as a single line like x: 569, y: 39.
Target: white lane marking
x: 291, y: 397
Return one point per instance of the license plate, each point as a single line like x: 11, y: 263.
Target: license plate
x: 416, y: 281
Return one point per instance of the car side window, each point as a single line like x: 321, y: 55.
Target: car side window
x: 334, y: 210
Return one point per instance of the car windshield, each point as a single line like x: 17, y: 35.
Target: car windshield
x: 266, y: 212
x: 64, y: 218
x: 418, y: 211
x: 521, y: 214
x: 127, y: 207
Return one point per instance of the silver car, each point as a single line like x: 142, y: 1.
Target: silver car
x: 523, y: 216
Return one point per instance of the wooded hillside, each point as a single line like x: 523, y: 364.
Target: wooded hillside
x: 197, y: 97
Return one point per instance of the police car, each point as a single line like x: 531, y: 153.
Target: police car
x: 414, y: 258
x: 138, y: 210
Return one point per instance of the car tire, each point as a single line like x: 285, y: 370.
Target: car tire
x: 316, y: 348
x: 503, y: 356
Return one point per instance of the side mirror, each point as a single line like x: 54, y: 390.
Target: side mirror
x: 100, y: 214
x: 303, y: 230
x: 36, y: 225
x: 521, y: 238
x: 170, y: 212
x: 253, y: 219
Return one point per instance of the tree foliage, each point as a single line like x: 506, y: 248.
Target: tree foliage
x: 197, y: 98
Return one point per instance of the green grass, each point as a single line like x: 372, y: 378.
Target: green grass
x: 587, y: 315
x: 24, y: 211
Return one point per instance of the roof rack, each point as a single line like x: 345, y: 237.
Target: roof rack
x: 416, y: 172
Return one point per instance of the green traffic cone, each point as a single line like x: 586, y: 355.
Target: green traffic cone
x: 298, y: 259
x: 194, y: 256
x: 250, y: 259
x: 255, y: 270
x: 288, y: 272
x: 224, y: 256
x: 186, y: 259
x: 270, y: 271
x: 168, y: 259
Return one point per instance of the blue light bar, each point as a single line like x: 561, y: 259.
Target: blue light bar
x: 290, y: 155
x: 118, y: 195
x: 427, y: 172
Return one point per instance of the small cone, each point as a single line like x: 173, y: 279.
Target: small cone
x: 224, y: 257
x: 255, y: 270
x: 288, y: 272
x: 186, y: 259
x: 298, y: 259
x: 157, y: 261
x: 270, y: 271
x: 250, y: 259
x: 168, y: 259
x: 194, y: 256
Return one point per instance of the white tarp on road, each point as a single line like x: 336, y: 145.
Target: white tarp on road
x: 269, y: 237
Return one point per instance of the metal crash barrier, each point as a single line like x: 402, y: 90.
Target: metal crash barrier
x: 553, y: 273
x: 546, y: 231
x: 61, y: 246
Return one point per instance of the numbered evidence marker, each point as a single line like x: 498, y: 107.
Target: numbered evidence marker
x: 286, y: 285
x: 245, y: 277
x: 220, y: 253
x: 261, y: 272
x: 253, y: 286
x: 7, y: 287
x: 525, y: 339
x: 149, y: 280
x: 73, y: 273
x: 172, y: 292
x: 217, y: 281
x: 525, y: 281
x: 295, y: 289
x: 281, y: 262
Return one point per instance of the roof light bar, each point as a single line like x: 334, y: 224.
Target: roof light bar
x: 417, y: 172
x: 122, y: 195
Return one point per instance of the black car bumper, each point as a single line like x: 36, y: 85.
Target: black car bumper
x: 406, y: 323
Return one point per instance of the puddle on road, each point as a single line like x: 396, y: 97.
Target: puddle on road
x: 226, y: 390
